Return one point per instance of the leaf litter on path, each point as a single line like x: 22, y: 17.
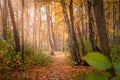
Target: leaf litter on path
x: 58, y: 69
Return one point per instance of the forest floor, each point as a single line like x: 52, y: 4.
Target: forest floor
x: 58, y: 69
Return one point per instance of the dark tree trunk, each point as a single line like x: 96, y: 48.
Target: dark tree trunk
x: 15, y: 32
x: 80, y: 35
x: 74, y: 39
x: 91, y: 26
x: 71, y: 34
x: 84, y: 52
x: 101, y: 28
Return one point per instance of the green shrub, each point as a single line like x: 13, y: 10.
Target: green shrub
x: 40, y: 59
x: 35, y: 57
x: 11, y: 59
x: 8, y: 56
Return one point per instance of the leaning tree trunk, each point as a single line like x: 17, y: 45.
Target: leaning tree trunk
x: 71, y: 34
x: 15, y: 32
x: 101, y: 28
x: 72, y: 29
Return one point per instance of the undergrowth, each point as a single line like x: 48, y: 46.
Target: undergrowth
x: 115, y: 52
x: 11, y: 60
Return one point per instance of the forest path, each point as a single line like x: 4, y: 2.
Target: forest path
x: 58, y: 69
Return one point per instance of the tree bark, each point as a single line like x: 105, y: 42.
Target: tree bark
x: 101, y: 28
x: 79, y: 29
x: 91, y: 27
x: 73, y: 30
x: 71, y: 35
x: 15, y: 32
x: 81, y: 40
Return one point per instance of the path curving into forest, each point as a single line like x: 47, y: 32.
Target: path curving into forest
x: 58, y: 69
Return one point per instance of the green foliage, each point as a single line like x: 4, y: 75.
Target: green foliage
x: 10, y: 59
x: 8, y: 56
x: 101, y: 62
x: 117, y: 67
x: 40, y: 59
x: 115, y: 32
x: 115, y: 52
x: 98, y: 61
x: 87, y: 45
x: 35, y: 57
x: 98, y: 76
x: 115, y: 78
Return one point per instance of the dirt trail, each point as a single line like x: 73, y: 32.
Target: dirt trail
x: 56, y: 70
